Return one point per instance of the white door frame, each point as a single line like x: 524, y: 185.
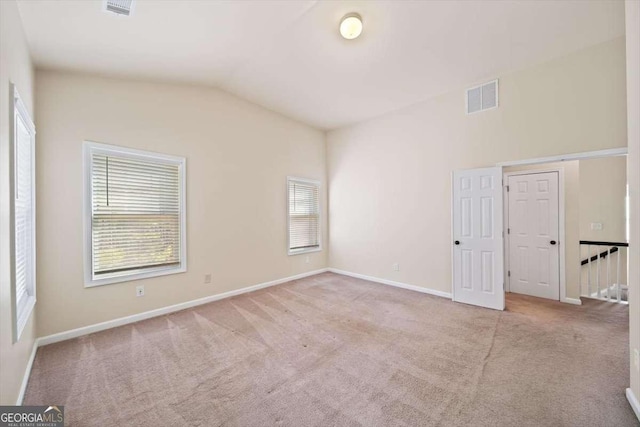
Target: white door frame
x: 610, y: 152
x: 561, y: 230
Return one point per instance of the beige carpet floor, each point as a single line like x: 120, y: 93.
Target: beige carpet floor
x: 330, y: 350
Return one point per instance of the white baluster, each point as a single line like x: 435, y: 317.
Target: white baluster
x: 618, y: 275
x: 580, y: 271
x: 589, y: 271
x: 598, y: 270
x: 608, y: 276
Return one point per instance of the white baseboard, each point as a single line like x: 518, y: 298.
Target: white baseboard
x: 85, y: 330
x: 392, y: 283
x: 27, y: 372
x: 574, y: 301
x: 633, y: 402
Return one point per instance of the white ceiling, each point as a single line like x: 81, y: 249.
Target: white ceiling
x: 288, y: 55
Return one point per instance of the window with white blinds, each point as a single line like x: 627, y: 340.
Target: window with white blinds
x: 304, y: 215
x: 23, y: 211
x: 136, y: 214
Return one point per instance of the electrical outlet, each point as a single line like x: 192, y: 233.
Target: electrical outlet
x: 140, y: 291
x: 306, y: 259
x: 596, y: 226
x: 636, y: 359
x: 396, y: 266
x: 207, y: 278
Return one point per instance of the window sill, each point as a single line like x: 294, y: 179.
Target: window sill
x: 303, y: 251
x: 134, y: 275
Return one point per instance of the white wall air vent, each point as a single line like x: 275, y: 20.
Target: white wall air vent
x: 119, y: 7
x: 483, y: 97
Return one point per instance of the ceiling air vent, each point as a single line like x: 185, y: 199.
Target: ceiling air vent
x: 119, y: 7
x: 483, y: 97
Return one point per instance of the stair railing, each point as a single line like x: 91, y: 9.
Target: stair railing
x: 613, y: 290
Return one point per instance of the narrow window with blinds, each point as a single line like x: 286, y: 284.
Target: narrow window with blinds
x: 135, y: 214
x: 304, y: 215
x: 23, y: 214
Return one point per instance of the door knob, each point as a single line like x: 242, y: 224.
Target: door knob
x: 553, y: 242
x: 457, y: 242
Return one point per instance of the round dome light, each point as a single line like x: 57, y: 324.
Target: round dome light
x: 351, y: 26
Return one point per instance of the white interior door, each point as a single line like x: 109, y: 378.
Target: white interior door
x: 478, y: 261
x: 534, y: 256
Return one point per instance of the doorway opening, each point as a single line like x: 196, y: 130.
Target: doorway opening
x: 565, y: 232
x: 566, y: 228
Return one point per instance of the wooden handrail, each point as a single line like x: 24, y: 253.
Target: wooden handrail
x: 598, y: 243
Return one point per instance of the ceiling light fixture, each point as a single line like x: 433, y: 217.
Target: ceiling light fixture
x: 351, y: 26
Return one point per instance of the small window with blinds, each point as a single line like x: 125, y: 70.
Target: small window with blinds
x: 23, y: 268
x: 135, y: 214
x: 304, y: 215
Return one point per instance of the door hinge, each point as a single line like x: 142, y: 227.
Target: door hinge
x: 509, y: 273
x: 507, y: 188
x: 508, y: 231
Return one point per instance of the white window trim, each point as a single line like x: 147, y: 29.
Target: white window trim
x: 19, y: 110
x: 310, y: 250
x: 90, y: 148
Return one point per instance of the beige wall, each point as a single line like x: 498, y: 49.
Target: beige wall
x: 238, y: 158
x: 571, y: 174
x: 390, y: 192
x: 632, y: 10
x: 15, y: 66
x: 603, y: 189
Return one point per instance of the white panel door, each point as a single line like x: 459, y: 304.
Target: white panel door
x: 478, y: 272
x: 534, y: 257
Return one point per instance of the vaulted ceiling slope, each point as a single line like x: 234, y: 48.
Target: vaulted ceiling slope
x: 288, y: 55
